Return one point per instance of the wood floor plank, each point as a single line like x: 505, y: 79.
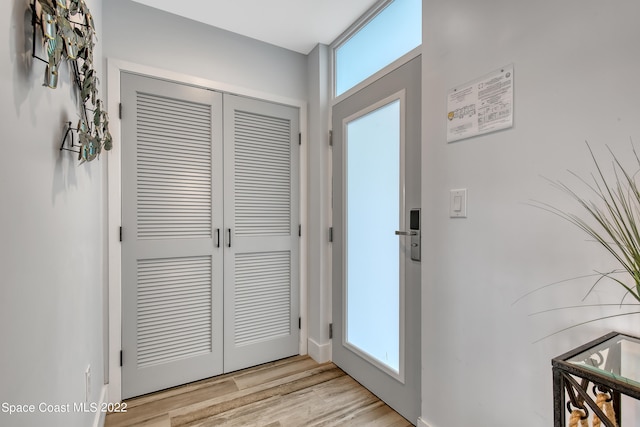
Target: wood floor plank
x: 175, y: 391
x: 278, y: 390
x: 253, y: 378
x: 261, y: 387
x: 291, y: 392
x: 217, y: 379
x: 346, y: 398
x: 317, y: 412
x: 161, y: 421
x: 163, y: 404
x: 274, y: 409
x: 375, y: 415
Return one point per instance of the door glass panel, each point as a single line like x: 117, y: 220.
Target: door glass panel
x: 386, y: 37
x: 373, y: 200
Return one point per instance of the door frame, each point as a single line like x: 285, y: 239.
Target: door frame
x: 114, y: 201
x: 338, y: 245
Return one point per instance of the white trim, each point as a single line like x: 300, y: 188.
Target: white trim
x: 304, y: 222
x: 114, y: 220
x: 359, y: 24
x: 100, y: 417
x: 422, y: 423
x: 114, y: 165
x: 321, y: 353
x: 400, y: 374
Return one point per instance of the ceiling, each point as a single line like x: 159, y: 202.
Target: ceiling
x: 297, y: 25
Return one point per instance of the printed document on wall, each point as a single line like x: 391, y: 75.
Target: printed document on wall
x: 481, y: 106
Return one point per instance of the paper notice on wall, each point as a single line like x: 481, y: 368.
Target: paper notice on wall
x: 481, y: 106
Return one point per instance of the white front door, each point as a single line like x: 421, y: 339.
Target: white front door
x: 210, y: 280
x: 376, y: 283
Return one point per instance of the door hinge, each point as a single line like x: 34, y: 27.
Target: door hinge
x: 300, y: 138
x: 330, y: 234
x: 121, y: 234
x: 330, y: 138
x: 120, y: 110
x: 299, y: 322
x: 120, y: 357
x: 299, y: 230
x: 330, y: 330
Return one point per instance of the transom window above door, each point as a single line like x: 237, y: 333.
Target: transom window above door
x: 390, y: 30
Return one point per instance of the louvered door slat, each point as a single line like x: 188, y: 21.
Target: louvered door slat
x: 262, y: 174
x: 176, y: 107
x: 150, y: 129
x: 155, y: 158
x: 186, y: 194
x: 177, y: 339
x: 167, y: 170
x: 263, y: 302
x: 156, y: 129
x: 178, y: 195
x: 171, y: 150
x: 169, y: 141
x: 178, y: 322
x: 178, y: 317
x: 174, y: 153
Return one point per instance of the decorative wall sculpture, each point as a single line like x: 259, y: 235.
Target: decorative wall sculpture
x: 68, y: 34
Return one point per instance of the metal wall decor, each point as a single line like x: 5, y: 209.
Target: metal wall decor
x: 68, y: 35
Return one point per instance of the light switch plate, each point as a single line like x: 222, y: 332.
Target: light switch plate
x: 458, y: 203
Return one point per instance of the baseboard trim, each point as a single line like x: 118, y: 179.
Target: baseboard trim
x: 321, y: 353
x: 422, y: 423
x: 99, y: 419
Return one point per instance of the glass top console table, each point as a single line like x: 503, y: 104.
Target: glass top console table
x: 609, y: 365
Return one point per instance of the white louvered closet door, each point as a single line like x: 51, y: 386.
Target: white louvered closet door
x: 172, y: 207
x: 261, y: 291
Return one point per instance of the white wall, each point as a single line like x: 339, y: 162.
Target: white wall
x: 143, y: 35
x: 53, y: 241
x: 576, y: 79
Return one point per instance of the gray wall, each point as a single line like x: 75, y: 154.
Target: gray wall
x: 576, y: 79
x: 53, y: 242
x: 143, y: 35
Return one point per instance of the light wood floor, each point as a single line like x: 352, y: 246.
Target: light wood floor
x: 292, y: 392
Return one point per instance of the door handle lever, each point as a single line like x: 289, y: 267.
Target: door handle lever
x: 406, y: 233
